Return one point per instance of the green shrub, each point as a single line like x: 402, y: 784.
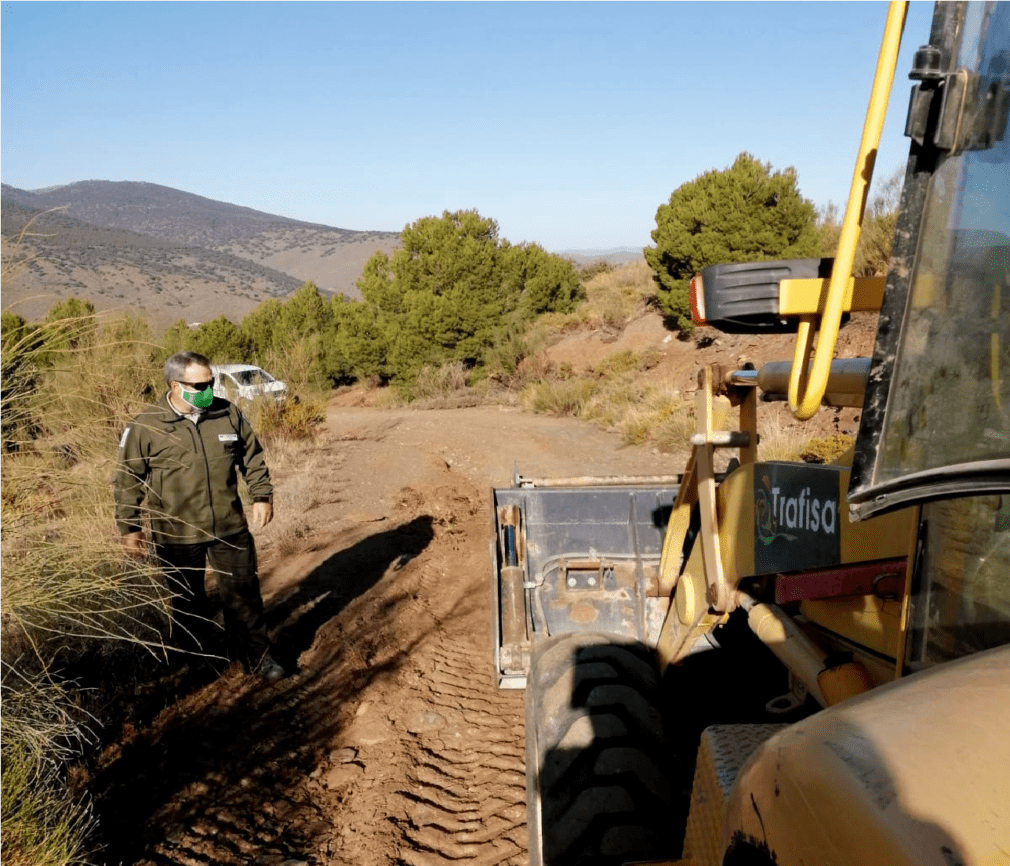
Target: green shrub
x: 453, y: 289
x: 503, y: 357
x: 299, y: 364
x: 743, y: 213
x: 219, y: 339
x: 594, y: 269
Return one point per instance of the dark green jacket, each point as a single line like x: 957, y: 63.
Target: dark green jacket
x: 184, y: 476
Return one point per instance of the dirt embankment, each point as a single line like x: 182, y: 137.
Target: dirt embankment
x: 391, y: 744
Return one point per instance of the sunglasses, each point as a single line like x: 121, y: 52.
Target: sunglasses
x: 199, y: 386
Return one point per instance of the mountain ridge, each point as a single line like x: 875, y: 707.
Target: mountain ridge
x: 173, y: 254
x: 213, y: 257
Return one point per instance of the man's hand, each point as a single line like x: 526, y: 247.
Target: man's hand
x: 135, y: 544
x: 262, y: 514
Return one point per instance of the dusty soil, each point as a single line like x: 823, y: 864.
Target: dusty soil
x: 390, y: 744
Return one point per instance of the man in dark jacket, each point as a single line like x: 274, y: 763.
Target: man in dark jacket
x: 183, y: 456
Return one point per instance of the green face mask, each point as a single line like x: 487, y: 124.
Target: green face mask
x: 199, y: 399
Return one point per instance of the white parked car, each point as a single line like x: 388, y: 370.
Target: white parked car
x: 237, y: 382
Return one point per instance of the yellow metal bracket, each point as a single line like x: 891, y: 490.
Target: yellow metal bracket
x: 719, y: 595
x: 698, y: 490
x: 807, y: 297
x: 676, y: 532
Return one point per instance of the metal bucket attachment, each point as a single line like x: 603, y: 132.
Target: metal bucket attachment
x: 575, y: 559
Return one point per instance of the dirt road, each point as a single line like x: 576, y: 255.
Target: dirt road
x: 391, y: 745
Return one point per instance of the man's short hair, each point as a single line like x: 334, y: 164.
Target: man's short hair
x: 175, y: 367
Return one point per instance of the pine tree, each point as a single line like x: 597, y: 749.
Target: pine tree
x: 741, y: 214
x: 220, y: 339
x: 453, y: 287
x: 262, y: 329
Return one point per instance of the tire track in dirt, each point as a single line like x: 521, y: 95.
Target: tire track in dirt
x: 462, y: 797
x: 465, y: 801
x: 436, y: 772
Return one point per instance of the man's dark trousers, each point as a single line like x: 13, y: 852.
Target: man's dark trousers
x: 234, y: 562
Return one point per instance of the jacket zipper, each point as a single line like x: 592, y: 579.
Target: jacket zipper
x: 198, y: 435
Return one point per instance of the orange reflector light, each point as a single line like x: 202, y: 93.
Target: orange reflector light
x: 697, y: 298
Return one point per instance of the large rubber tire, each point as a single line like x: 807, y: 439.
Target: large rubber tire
x: 597, y: 757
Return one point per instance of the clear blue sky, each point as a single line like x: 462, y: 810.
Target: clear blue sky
x: 568, y: 123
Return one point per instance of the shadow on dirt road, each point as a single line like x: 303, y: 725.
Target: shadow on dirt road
x: 345, y: 575
x: 219, y: 777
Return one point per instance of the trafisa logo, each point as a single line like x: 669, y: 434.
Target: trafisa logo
x: 795, y: 517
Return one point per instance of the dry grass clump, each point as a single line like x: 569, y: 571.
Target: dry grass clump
x: 442, y: 386
x: 560, y: 397
x: 614, y: 400
x: 614, y: 395
x: 780, y: 438
x: 827, y: 449
x: 42, y: 822
x: 664, y: 417
x: 290, y: 419
x: 67, y: 587
x: 63, y: 571
x: 519, y: 358
x: 452, y: 385
x: 613, y: 298
x: 301, y: 466
x: 68, y: 387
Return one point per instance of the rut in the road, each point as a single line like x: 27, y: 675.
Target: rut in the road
x: 465, y: 802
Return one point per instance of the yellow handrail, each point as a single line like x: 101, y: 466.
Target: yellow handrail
x: 807, y: 382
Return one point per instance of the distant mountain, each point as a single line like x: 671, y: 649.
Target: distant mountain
x: 168, y: 252
x: 58, y: 257
x: 615, y: 255
x: 173, y: 254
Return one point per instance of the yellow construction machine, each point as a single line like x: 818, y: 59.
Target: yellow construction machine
x: 790, y: 663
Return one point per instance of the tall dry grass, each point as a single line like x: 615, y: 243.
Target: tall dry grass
x: 301, y: 465
x: 43, y: 824
x: 614, y: 297
x: 615, y: 395
x: 68, y: 388
x: 450, y: 385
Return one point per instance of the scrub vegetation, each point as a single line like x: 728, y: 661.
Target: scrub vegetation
x: 71, y: 606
